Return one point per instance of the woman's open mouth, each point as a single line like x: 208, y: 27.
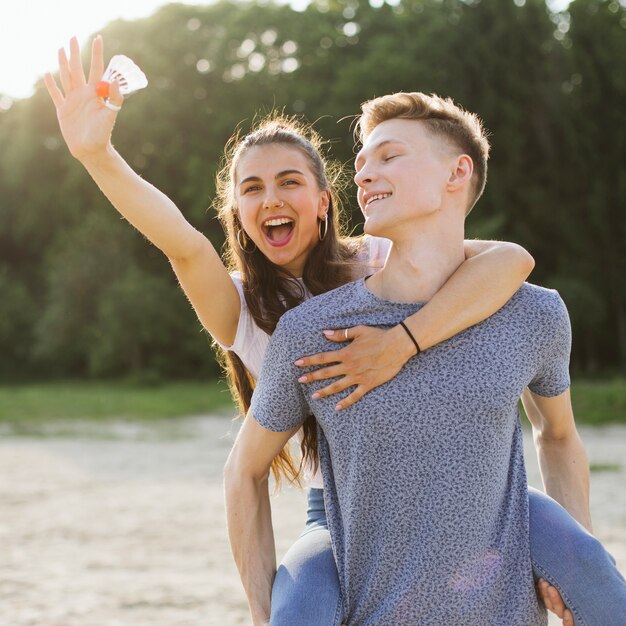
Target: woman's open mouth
x: 278, y: 230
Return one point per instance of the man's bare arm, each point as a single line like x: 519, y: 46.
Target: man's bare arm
x: 248, y: 512
x: 562, y: 458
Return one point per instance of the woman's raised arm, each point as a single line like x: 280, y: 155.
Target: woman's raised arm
x: 86, y: 125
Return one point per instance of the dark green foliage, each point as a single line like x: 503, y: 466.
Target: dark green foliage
x: 81, y: 294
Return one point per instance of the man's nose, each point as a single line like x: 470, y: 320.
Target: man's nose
x: 364, y: 176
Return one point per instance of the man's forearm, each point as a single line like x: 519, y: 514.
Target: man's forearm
x: 565, y: 472
x: 252, y: 541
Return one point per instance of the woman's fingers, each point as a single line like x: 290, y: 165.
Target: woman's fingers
x: 96, y: 69
x: 558, y: 606
x: 336, y: 387
x: 340, y: 335
x: 371, y: 358
x: 544, y: 589
x: 64, y: 71
x: 331, y: 371
x: 554, y: 602
x: 115, y: 97
x: 53, y: 90
x: 76, y: 67
x: 322, y: 358
x: 354, y: 397
x: 341, y: 385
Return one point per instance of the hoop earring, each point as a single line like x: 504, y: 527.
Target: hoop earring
x: 243, y: 248
x: 322, y: 235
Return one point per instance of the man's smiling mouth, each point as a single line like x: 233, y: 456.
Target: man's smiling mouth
x: 375, y: 197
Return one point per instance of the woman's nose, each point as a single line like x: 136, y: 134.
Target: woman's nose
x: 272, y: 202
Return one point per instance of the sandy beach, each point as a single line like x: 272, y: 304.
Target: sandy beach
x: 124, y: 525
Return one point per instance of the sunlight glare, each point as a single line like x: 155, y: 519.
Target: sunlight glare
x: 33, y: 31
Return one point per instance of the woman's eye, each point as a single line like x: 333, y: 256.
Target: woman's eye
x: 251, y: 188
x: 388, y: 158
x: 290, y: 182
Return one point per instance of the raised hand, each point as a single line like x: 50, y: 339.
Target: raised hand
x: 86, y: 122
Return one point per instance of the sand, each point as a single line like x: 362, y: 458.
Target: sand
x: 124, y: 524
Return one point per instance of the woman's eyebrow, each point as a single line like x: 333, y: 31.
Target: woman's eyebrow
x: 279, y: 175
x: 250, y: 179
x: 288, y: 172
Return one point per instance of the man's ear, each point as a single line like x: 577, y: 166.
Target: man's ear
x: 461, y: 173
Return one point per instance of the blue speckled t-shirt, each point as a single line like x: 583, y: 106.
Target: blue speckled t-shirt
x: 425, y: 486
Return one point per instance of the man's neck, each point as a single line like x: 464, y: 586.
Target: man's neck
x: 420, y: 262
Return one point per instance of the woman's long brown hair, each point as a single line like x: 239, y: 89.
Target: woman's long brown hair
x: 269, y: 289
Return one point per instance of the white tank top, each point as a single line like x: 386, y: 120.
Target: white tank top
x: 251, y: 342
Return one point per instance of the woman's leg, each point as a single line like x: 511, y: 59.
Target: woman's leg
x: 576, y: 563
x: 306, y: 587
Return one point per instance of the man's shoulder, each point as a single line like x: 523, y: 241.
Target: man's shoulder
x: 538, y: 305
x: 541, y: 298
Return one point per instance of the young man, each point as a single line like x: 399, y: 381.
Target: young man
x: 425, y: 486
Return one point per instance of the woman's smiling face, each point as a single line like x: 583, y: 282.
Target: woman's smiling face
x: 279, y: 202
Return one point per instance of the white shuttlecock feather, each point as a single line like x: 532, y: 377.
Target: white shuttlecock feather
x: 125, y: 71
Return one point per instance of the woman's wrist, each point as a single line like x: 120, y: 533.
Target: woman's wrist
x: 102, y: 159
x: 402, y: 343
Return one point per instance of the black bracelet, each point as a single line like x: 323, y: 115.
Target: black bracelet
x: 408, y: 332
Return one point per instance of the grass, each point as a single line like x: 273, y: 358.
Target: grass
x: 594, y: 403
x: 111, y: 400
x: 605, y: 467
x: 599, y: 402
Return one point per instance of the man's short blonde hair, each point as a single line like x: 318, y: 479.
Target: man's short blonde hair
x: 444, y: 118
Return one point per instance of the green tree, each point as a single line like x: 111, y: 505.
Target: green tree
x: 82, y: 295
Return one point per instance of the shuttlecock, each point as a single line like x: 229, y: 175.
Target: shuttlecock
x: 123, y: 70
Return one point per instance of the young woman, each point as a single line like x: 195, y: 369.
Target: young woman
x: 281, y: 215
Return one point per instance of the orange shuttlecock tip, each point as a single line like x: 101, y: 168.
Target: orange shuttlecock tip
x: 102, y: 89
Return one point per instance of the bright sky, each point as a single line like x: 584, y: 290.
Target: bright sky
x: 31, y: 32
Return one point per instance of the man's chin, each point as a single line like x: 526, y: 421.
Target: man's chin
x: 373, y: 229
